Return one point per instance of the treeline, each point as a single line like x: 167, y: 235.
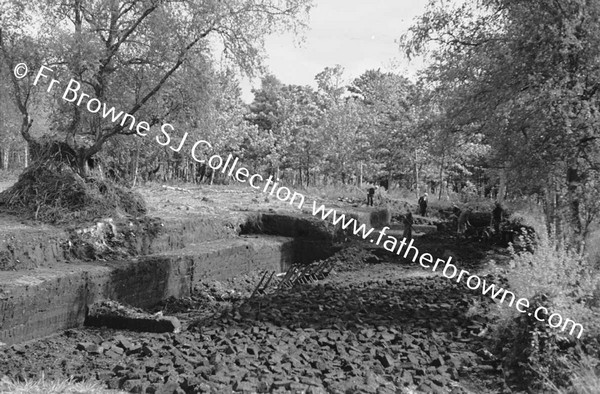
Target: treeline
x: 373, y: 129
x: 13, y: 149
x: 523, y: 79
x: 155, y: 62
x: 507, y: 107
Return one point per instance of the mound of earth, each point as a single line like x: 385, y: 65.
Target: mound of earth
x: 55, y: 193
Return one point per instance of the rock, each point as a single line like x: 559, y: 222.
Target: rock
x: 388, y: 337
x: 315, y: 390
x: 386, y: 360
x: 154, y: 377
x: 413, y: 360
x: 123, y: 342
x: 245, y: 387
x: 19, y: 349
x: 111, y: 314
x: 282, y: 384
x: 103, y: 375
x: 168, y: 388
x: 112, y: 354
x: 114, y: 383
x: 407, y: 378
x: 134, y: 374
x: 148, y: 351
x: 132, y: 385
x: 89, y: 347
x: 437, y: 362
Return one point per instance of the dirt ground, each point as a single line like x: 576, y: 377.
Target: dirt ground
x: 6, y: 184
x: 376, y: 324
x: 372, y: 326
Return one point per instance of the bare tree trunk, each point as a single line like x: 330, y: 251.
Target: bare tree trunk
x: 416, y: 174
x: 502, y: 188
x: 137, y: 163
x: 307, y: 176
x: 360, y: 183
x: 573, y: 200
x: 5, y: 157
x: 441, y: 177
x: 557, y: 218
x: 549, y: 208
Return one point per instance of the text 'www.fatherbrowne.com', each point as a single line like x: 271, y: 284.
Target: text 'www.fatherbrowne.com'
x: 231, y: 166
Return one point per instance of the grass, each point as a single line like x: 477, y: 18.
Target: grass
x: 585, y: 377
x: 43, y: 386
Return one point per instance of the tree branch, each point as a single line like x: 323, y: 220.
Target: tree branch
x: 117, y: 129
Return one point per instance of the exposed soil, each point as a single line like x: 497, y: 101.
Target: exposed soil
x: 376, y: 324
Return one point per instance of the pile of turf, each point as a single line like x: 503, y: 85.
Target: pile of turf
x: 55, y: 193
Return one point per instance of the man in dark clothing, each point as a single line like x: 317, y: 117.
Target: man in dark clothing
x: 463, y: 221
x: 423, y: 205
x: 370, y: 194
x: 456, y: 211
x: 497, y: 217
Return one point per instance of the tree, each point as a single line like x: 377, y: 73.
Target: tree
x: 526, y: 75
x: 301, y: 140
x: 389, y: 106
x: 330, y: 81
x: 266, y: 113
x: 124, y: 52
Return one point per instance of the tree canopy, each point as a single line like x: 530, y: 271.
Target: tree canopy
x: 524, y: 75
x: 128, y: 53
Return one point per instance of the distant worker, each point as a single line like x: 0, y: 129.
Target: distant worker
x: 463, y: 221
x: 423, y: 205
x: 497, y: 217
x: 453, y: 217
x: 370, y: 194
x: 407, y: 221
x: 456, y: 211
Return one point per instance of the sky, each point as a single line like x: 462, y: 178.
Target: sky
x: 357, y: 34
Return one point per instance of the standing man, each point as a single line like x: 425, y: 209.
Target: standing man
x: 463, y: 221
x: 423, y: 205
x: 497, y: 217
x: 370, y: 194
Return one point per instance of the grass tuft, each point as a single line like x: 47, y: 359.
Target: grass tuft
x: 43, y: 386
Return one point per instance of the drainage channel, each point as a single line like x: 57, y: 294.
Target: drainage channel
x: 55, y: 295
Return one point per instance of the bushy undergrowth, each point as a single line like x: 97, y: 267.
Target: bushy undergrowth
x: 535, y: 356
x: 43, y: 386
x: 55, y: 193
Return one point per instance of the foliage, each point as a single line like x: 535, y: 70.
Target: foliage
x: 558, y: 278
x: 126, y: 53
x: 525, y: 75
x: 338, y: 133
x: 585, y: 377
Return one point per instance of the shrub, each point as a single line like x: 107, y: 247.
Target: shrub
x: 560, y: 279
x: 585, y: 377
